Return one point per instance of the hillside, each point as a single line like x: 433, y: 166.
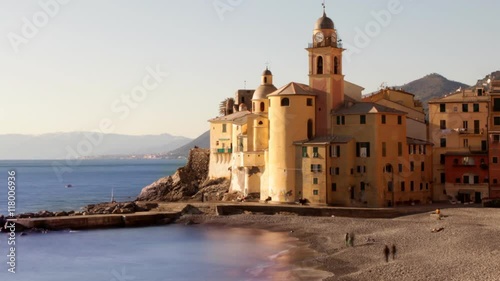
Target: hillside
x: 432, y: 86
x: 203, y: 141
x: 82, y: 144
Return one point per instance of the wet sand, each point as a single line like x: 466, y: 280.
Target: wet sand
x: 468, y: 247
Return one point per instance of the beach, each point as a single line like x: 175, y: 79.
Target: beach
x: 467, y: 247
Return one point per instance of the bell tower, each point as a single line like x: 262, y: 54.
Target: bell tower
x: 325, y: 72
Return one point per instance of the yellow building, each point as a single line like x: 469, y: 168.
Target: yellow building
x: 320, y: 141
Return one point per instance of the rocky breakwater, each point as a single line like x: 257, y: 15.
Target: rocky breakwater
x: 188, y: 183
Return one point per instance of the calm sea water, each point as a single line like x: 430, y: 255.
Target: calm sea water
x: 40, y: 186
x: 172, y: 252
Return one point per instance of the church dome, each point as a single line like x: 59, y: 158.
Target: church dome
x: 267, y: 72
x: 324, y: 23
x: 262, y: 92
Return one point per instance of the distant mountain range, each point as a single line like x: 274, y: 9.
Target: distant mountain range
x: 203, y: 141
x: 82, y: 144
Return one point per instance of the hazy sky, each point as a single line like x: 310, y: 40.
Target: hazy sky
x: 78, y: 62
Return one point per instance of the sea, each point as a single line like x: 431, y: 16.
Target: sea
x: 172, y: 252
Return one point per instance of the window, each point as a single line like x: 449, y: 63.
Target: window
x: 466, y: 143
x: 362, y: 186
x: 427, y: 186
x: 442, y: 107
x: 496, y: 121
x: 465, y: 125
x: 475, y: 107
x: 334, y: 187
x: 400, y: 120
x: 285, y: 102
x: 458, y: 180
x: 442, y: 124
x: 422, y: 167
x: 442, y: 159
x: 476, y: 179
x: 335, y: 65
x: 242, y: 99
x: 403, y: 186
x: 476, y: 126
x: 362, y: 119
x: 309, y: 102
x: 316, y: 168
x: 443, y: 142
x: 479, y: 92
x: 335, y: 151
x: 383, y: 119
x: 443, y: 177
x: 465, y: 107
x: 384, y: 149
x: 319, y: 69
x: 262, y: 106
x: 495, y: 181
x: 496, y: 104
x: 260, y: 123
x: 412, y: 166
x: 224, y: 128
x: 337, y: 171
x: 466, y: 179
x: 315, y: 192
x: 304, y: 151
x: 315, y: 152
x: 363, y: 149
x: 495, y: 160
x: 412, y: 186
x: 421, y: 186
x: 496, y: 138
x: 315, y: 180
x: 253, y: 106
x: 400, y: 168
x: 400, y: 149
x: 340, y: 120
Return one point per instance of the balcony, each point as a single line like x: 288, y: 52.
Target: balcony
x: 466, y: 131
x: 222, y: 150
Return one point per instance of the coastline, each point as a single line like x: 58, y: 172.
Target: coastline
x: 467, y: 248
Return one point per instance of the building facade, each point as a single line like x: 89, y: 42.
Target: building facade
x: 321, y: 141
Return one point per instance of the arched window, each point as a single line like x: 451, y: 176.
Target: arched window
x: 309, y: 129
x: 320, y: 65
x: 336, y: 65
x: 265, y: 80
x: 253, y: 106
x: 285, y: 102
x: 262, y: 106
x: 261, y: 123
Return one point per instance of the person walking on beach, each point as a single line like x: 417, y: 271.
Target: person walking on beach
x: 346, y: 238
x: 386, y: 253
x: 393, y: 251
x: 351, y: 240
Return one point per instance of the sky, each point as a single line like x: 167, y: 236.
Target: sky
x: 160, y: 66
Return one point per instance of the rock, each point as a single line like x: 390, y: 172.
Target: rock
x: 61, y: 214
x: 191, y: 210
x: 183, y: 184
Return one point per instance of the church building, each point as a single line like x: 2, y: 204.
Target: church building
x: 322, y: 142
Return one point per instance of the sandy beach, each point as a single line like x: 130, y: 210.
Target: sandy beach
x: 467, y: 247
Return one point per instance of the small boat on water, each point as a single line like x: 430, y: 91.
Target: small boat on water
x: 69, y: 186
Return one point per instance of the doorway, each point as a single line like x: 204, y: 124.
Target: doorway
x: 477, y: 197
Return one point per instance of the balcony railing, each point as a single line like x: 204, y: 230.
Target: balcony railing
x: 222, y: 150
x: 466, y: 131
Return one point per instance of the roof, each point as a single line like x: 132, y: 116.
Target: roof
x: 366, y: 108
x: 326, y: 140
x: 231, y: 117
x: 263, y: 91
x: 460, y: 97
x: 294, y: 88
x: 418, y: 142
x: 324, y: 22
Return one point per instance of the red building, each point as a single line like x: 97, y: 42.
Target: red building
x: 466, y: 173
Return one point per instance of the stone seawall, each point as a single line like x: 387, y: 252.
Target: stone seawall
x: 95, y: 221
